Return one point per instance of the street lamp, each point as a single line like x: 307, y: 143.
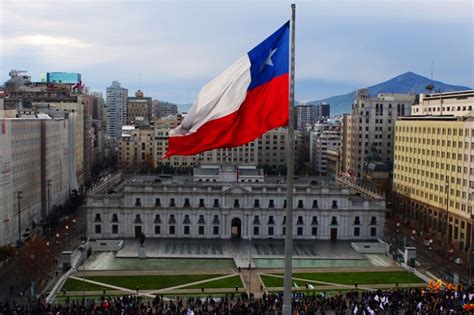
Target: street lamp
x: 48, y: 183
x: 250, y: 266
x: 67, y: 234
x: 19, y: 197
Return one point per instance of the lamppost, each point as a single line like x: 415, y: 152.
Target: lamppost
x: 57, y: 238
x: 48, y: 183
x: 19, y: 197
x: 250, y: 266
x: 67, y: 234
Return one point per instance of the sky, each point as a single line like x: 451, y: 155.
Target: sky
x: 170, y: 49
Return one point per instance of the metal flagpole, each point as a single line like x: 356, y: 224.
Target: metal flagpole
x: 290, y: 174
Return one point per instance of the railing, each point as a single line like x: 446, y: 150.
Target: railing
x: 360, y: 189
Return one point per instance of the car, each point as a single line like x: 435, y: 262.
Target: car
x: 458, y: 261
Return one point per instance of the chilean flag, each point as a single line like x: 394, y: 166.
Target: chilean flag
x: 242, y: 103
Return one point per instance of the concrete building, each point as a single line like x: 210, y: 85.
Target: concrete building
x: 272, y: 147
x: 324, y: 111
x: 34, y: 150
x: 434, y: 176
x: 116, y: 99
x: 306, y: 116
x: 139, y: 109
x: 321, y: 140
x: 229, y: 202
x: 459, y: 103
x: 371, y: 128
x: 167, y: 109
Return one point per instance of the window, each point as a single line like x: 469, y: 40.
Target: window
x: 236, y: 203
x: 357, y: 231
x: 283, y: 230
x: 314, y: 231
x: 138, y: 202
x: 300, y: 220
x: 271, y: 204
x: 357, y: 221
x: 114, y: 229
x: 201, y: 230
x: 315, y: 204
x: 299, y: 231
x: 186, y: 203
x: 256, y: 219
x: 172, y: 204
x: 256, y: 230
x: 157, y: 218
x: 157, y: 229
x: 215, y: 230
x: 284, y: 204
x: 373, y: 231
x: 256, y: 203
x: 138, y: 218
x: 186, y: 230
x: 334, y: 221
x: 300, y: 204
x: 114, y: 217
x: 157, y: 202
x: 270, y: 231
x: 97, y: 217
x: 172, y: 229
x: 216, y: 203
x: 98, y: 229
x: 186, y: 219
x: 271, y: 220
x: 373, y: 221
x: 201, y: 203
x: 201, y: 219
x: 334, y: 204
x: 216, y: 219
x: 314, y: 220
x: 172, y: 219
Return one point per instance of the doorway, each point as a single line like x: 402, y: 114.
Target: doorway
x: 236, y: 228
x: 138, y: 231
x: 333, y: 234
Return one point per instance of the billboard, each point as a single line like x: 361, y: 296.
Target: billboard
x: 61, y: 77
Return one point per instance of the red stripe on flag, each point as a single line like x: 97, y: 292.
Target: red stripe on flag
x: 264, y: 108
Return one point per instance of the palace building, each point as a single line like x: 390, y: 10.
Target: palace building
x: 228, y: 201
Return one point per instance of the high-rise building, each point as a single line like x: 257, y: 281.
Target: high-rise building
x: 321, y: 140
x: 368, y: 134
x: 116, y: 109
x: 305, y: 117
x: 433, y: 180
x: 139, y: 109
x: 35, y: 164
x: 324, y: 111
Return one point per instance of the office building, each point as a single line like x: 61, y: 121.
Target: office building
x: 321, y: 140
x: 139, y: 109
x: 369, y: 131
x: 116, y: 99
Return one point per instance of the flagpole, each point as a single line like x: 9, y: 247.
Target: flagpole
x: 290, y: 174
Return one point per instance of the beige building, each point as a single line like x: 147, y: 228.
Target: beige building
x: 434, y: 175
x: 33, y: 150
x: 139, y: 109
x: 141, y: 148
x: 459, y: 103
x: 370, y: 128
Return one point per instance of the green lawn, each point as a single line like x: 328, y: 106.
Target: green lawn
x: 379, y: 277
x: 273, y: 282
x: 146, y: 282
x: 77, y: 285
x: 230, y: 282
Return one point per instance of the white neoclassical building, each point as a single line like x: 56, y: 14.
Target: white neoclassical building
x: 233, y: 202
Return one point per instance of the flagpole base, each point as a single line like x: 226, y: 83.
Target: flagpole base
x: 286, y: 309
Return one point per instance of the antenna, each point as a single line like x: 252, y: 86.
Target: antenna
x: 139, y: 81
x: 430, y: 87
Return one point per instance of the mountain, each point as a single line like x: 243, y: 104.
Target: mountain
x: 404, y: 83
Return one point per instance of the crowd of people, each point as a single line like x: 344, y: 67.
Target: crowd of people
x: 400, y: 301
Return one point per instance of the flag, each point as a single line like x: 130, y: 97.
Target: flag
x: 242, y: 103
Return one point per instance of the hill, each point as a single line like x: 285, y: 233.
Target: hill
x: 404, y: 83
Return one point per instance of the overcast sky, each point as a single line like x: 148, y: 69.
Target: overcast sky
x: 175, y: 47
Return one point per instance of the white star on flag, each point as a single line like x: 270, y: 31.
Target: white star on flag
x: 268, y: 61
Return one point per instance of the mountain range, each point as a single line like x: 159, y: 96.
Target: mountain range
x: 408, y: 82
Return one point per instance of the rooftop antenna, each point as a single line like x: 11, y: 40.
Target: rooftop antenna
x: 139, y: 80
